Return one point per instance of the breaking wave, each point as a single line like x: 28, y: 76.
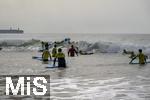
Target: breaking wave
x: 111, y: 47
x: 18, y: 43
x: 97, y: 47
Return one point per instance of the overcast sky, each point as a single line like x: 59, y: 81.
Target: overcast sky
x: 76, y: 16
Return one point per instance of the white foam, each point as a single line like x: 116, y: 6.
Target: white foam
x: 111, y: 47
x: 114, y: 89
x: 101, y: 46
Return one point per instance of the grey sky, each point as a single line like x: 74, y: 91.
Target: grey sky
x: 76, y: 16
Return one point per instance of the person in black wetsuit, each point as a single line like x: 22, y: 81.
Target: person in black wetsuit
x: 61, y: 58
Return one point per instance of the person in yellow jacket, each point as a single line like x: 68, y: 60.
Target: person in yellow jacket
x: 61, y: 58
x: 54, y: 53
x: 141, y: 56
x: 46, y: 55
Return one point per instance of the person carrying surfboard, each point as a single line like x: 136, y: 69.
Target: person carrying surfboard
x: 46, y: 54
x: 61, y: 58
x: 54, y: 53
x: 72, y: 51
x: 141, y: 56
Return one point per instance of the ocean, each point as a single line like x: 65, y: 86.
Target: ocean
x: 105, y: 75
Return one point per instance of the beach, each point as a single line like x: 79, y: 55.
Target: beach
x: 105, y: 75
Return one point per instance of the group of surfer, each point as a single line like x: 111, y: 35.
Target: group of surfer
x: 141, y: 56
x: 57, y: 54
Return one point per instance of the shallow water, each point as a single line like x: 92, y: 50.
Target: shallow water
x: 103, y: 76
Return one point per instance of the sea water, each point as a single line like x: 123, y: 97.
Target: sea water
x: 105, y: 75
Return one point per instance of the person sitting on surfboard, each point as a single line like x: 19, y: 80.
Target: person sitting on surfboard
x: 72, y: 51
x: 61, y: 58
x: 54, y: 53
x: 46, y: 54
x: 141, y: 56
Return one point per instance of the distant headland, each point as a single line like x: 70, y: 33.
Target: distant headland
x: 11, y: 31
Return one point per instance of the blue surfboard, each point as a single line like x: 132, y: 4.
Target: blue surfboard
x: 136, y: 61
x: 52, y: 66
x: 40, y: 58
x: 37, y: 58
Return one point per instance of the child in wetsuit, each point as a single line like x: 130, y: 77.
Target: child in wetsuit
x: 61, y: 58
x: 141, y: 56
x: 46, y: 54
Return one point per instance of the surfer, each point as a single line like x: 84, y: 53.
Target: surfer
x: 47, y: 46
x: 46, y: 54
x: 126, y: 52
x: 141, y: 56
x: 43, y: 45
x: 61, y: 58
x: 72, y: 51
x: 67, y: 40
x: 85, y: 53
x: 54, y: 53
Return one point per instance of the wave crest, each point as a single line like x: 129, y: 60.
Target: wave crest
x: 100, y: 46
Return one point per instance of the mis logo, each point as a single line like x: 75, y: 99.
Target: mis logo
x: 27, y: 85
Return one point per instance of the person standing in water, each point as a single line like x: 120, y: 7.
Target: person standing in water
x: 141, y: 56
x: 43, y: 45
x: 72, y: 51
x: 61, y: 58
x: 46, y: 54
x: 46, y: 45
x: 54, y: 54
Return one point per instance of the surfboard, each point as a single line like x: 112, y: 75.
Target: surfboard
x: 52, y: 66
x: 136, y: 61
x: 39, y: 58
